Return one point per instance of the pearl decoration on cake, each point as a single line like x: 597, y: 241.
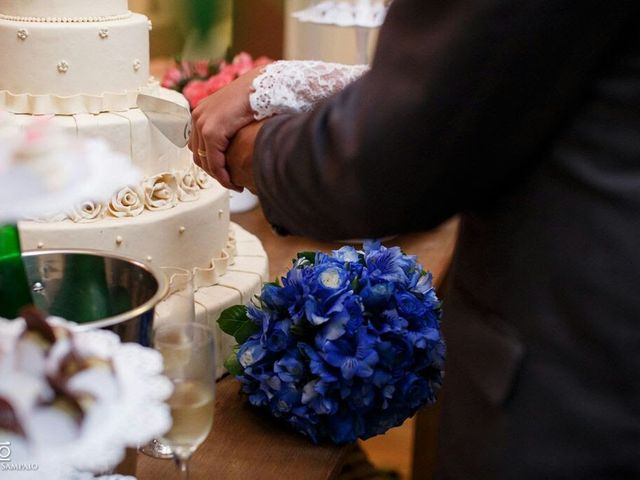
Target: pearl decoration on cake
x: 137, y: 64
x: 63, y: 66
x: 220, y: 213
x: 108, y: 18
x: 150, y: 25
x: 182, y: 229
x: 40, y: 245
x: 149, y: 258
x: 119, y: 240
x: 23, y: 34
x: 104, y: 33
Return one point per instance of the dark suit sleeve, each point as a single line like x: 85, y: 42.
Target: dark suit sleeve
x: 464, y: 98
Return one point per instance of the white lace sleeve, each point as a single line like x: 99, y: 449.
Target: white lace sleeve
x: 296, y: 86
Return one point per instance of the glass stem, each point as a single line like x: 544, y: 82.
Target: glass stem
x: 182, y: 463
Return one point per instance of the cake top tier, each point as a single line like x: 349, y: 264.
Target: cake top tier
x: 69, y: 10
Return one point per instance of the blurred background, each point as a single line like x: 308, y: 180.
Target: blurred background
x: 198, y: 29
x: 212, y: 29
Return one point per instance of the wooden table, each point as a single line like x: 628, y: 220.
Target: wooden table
x: 245, y: 444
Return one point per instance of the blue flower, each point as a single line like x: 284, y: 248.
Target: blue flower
x: 395, y: 351
x: 330, y: 280
x: 279, y: 337
x: 347, y: 319
x: 319, y: 312
x: 388, y: 321
x: 415, y: 390
x: 423, y: 284
x: 294, y: 291
x: 250, y: 353
x: 345, y: 427
x: 285, y: 399
x: 386, y: 264
x: 409, y: 305
x: 347, y: 254
x: 376, y: 296
x: 317, y: 365
x: 303, y: 423
x: 258, y: 398
x: 354, y: 358
x: 273, y: 296
x: 259, y: 316
x: 315, y: 395
x: 290, y: 367
x: 362, y: 396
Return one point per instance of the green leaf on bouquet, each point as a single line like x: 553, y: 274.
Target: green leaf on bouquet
x: 308, y: 256
x: 245, y: 330
x: 235, y: 322
x: 232, y: 364
x: 232, y: 317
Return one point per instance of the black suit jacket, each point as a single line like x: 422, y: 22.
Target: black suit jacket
x: 523, y: 115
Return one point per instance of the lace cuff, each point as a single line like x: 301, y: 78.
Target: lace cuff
x: 296, y: 86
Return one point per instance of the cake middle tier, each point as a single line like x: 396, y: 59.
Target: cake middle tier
x: 128, y: 132
x: 190, y: 235
x: 66, y: 59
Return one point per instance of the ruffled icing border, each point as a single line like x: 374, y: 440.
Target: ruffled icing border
x: 26, y: 103
x: 210, y: 276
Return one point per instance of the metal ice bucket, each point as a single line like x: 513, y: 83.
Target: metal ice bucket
x: 137, y: 287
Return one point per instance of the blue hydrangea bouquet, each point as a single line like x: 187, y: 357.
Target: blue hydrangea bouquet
x: 348, y: 346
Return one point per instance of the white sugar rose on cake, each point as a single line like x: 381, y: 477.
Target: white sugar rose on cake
x: 87, y: 64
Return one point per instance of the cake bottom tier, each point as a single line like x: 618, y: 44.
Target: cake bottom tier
x: 243, y: 279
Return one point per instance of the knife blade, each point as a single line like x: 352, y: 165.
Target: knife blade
x: 172, y: 119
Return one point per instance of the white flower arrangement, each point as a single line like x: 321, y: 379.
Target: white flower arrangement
x: 44, y: 171
x: 71, y: 402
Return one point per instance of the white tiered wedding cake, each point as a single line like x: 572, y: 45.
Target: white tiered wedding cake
x: 82, y: 64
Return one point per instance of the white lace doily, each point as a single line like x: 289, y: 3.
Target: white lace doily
x: 296, y: 86
x: 362, y: 13
x: 133, y: 415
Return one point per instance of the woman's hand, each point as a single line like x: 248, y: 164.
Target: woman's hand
x: 216, y: 120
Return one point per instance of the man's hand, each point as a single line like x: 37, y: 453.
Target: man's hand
x: 240, y: 156
x: 216, y: 120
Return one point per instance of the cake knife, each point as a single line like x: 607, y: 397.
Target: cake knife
x: 171, y: 118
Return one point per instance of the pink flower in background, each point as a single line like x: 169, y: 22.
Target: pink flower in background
x: 243, y: 63
x: 229, y: 70
x: 195, y: 91
x: 186, y: 67
x: 172, y: 78
x: 197, y: 80
x: 201, y: 68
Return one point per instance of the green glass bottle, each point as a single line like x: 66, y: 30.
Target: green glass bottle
x: 14, y: 286
x: 84, y: 294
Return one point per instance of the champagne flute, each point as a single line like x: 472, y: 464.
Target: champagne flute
x: 178, y: 306
x: 189, y: 362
